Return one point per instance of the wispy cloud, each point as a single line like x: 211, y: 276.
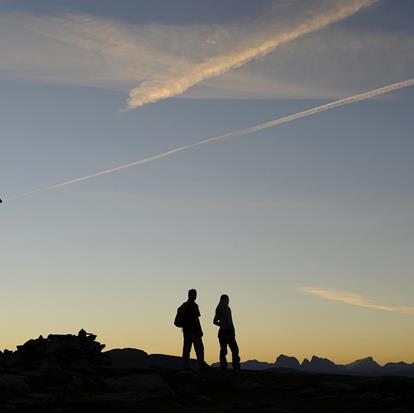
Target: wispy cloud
x: 158, y: 89
x: 168, y: 60
x: 354, y: 299
x: 326, y: 64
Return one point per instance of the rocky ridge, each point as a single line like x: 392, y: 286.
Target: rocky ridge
x: 71, y: 373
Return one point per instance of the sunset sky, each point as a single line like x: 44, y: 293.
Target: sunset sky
x: 307, y: 226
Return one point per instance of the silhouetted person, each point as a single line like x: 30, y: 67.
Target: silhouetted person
x: 189, y: 315
x: 226, y: 335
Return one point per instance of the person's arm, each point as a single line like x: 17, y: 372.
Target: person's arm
x: 216, y: 319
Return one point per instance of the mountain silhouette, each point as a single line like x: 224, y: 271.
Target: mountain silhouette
x: 255, y: 365
x: 397, y: 367
x: 130, y: 358
x: 284, y: 361
x: 317, y: 364
x: 366, y: 365
x: 361, y: 367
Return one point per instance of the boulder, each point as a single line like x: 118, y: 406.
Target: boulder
x: 82, y: 365
x: 340, y: 386
x: 128, y: 358
x: 139, y: 383
x: 246, y: 385
x: 169, y: 362
x: 16, y: 383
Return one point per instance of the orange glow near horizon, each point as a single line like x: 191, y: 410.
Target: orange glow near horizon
x: 301, y: 336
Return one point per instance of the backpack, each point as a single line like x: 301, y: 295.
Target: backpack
x: 180, y: 317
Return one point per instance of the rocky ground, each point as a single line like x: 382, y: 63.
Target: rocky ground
x: 71, y: 373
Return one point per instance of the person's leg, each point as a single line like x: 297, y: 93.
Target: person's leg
x: 186, y: 351
x: 223, y: 349
x: 234, y: 348
x: 199, y: 350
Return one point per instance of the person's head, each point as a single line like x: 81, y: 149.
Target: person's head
x: 224, y: 300
x: 192, y: 294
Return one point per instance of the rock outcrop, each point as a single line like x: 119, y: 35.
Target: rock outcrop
x: 70, y: 373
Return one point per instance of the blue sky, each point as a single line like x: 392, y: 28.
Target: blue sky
x: 321, y: 202
x: 180, y: 11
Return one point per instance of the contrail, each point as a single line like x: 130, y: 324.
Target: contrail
x: 235, y: 134
x: 154, y: 90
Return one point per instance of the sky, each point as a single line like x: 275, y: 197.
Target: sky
x: 307, y: 226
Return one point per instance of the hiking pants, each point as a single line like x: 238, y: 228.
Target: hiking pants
x: 191, y: 339
x: 228, y: 338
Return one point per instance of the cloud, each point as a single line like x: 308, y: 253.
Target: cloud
x: 166, y: 60
x: 327, y: 64
x: 354, y: 299
x: 213, y: 61
x: 157, y: 89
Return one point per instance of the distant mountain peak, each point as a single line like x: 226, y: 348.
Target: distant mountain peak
x: 367, y: 359
x: 367, y: 365
x: 319, y: 364
x: 284, y: 361
x: 315, y: 358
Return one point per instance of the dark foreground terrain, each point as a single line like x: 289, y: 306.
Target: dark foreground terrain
x: 71, y: 373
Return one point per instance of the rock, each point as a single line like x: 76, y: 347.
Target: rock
x: 186, y: 389
x: 82, y: 365
x: 205, y: 399
x: 43, y: 399
x: 33, y: 348
x: 45, y: 364
x: 12, y: 361
x: 61, y: 347
x: 169, y: 362
x: 83, y: 334
x: 14, y: 382
x: 77, y: 383
x: 246, y: 385
x: 309, y: 390
x: 69, y: 373
x: 338, y: 386
x: 184, y: 374
x: 139, y: 383
x: 128, y: 358
x: 20, y: 403
x: 370, y: 395
x: 119, y: 402
x: 30, y: 373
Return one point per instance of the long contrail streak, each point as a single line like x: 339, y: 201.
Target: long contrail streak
x: 235, y: 134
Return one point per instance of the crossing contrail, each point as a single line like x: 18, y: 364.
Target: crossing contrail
x: 234, y: 134
x: 156, y: 89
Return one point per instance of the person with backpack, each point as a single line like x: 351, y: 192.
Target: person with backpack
x: 187, y: 318
x: 226, y: 334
